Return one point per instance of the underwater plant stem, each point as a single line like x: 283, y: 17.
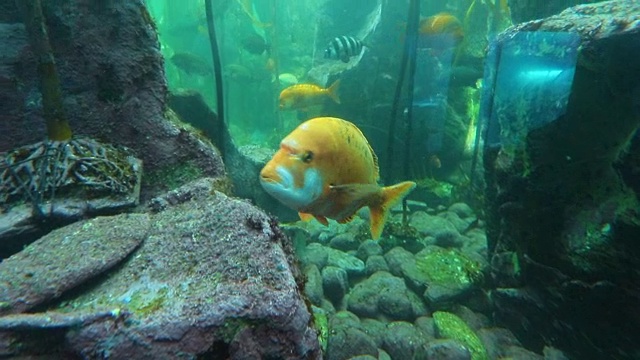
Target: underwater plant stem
x: 58, y: 128
x: 410, y: 45
x: 217, y: 70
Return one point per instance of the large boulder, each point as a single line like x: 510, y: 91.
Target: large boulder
x: 213, y: 276
x: 563, y: 219
x: 113, y: 85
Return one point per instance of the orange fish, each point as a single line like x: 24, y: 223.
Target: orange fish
x: 443, y: 24
x: 301, y: 96
x: 326, y: 169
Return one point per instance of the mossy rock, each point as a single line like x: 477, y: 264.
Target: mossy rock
x: 450, y: 326
x: 448, y: 267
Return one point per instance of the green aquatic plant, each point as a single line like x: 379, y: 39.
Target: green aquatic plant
x: 58, y: 128
x: 450, y: 326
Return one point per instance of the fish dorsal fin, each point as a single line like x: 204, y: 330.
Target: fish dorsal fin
x: 376, y: 168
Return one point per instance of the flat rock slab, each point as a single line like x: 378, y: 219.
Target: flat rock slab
x: 67, y: 257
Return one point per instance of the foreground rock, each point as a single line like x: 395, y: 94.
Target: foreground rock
x: 213, y: 276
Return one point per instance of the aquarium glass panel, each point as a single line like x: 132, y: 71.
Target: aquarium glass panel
x: 533, y: 77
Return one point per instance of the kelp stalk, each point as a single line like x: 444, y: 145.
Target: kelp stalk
x: 215, y: 54
x: 58, y: 128
x: 408, y: 58
x: 410, y: 45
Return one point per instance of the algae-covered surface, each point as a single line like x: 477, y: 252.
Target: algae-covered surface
x: 449, y: 267
x: 450, y: 326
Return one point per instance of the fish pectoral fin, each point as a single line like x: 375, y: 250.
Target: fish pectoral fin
x: 305, y: 217
x: 323, y: 220
x: 390, y: 196
x: 377, y: 216
x: 355, y: 191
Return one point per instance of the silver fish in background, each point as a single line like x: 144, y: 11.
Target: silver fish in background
x: 343, y: 48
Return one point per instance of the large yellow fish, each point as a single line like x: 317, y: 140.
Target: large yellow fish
x: 301, y: 96
x: 326, y: 169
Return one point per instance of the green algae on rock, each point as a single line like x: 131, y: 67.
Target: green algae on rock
x: 451, y: 326
x: 448, y: 267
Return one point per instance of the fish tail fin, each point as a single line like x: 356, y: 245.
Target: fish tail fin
x: 390, y: 196
x: 332, y: 91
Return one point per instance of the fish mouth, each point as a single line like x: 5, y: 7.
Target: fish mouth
x: 281, y: 177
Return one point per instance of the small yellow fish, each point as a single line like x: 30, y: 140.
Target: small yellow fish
x: 443, y: 23
x: 301, y: 96
x: 326, y: 169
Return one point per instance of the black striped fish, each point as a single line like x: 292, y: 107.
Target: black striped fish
x: 343, y: 48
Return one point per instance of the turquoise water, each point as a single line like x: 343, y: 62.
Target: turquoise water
x: 509, y: 130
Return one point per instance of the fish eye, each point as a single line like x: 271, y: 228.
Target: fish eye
x: 307, y: 157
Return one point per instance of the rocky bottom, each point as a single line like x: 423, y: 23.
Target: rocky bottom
x: 418, y: 293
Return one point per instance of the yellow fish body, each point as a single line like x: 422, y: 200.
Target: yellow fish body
x: 325, y: 168
x: 443, y: 23
x: 301, y: 96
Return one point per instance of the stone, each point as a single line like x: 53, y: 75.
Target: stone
x: 315, y: 254
x: 449, y: 239
x: 462, y: 210
x: 368, y: 248
x: 374, y: 328
x: 67, y: 257
x: 376, y: 263
x: 462, y: 225
x: 446, y: 349
x: 384, y: 294
x: 335, y: 283
x: 345, y: 242
x: 351, y: 264
x: 403, y: 341
x: 426, y: 326
x: 402, y: 263
x: 313, y: 285
x: 348, y: 338
x: 430, y: 225
x: 450, y: 326
x: 449, y: 274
